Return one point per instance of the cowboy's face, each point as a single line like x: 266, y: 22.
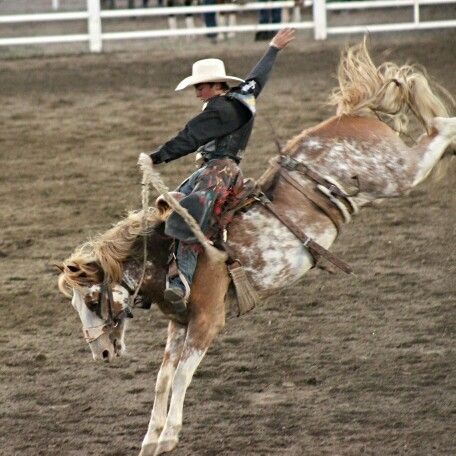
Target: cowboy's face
x: 206, y: 90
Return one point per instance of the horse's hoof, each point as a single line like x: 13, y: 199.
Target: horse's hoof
x: 148, y: 450
x: 165, y: 446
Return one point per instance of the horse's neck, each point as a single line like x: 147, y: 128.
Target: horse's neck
x: 155, y: 266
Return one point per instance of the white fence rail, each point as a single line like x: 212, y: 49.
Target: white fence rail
x: 321, y: 8
x: 95, y: 36
x: 94, y: 16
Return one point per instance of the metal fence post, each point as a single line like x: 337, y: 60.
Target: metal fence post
x: 94, y: 25
x: 55, y: 4
x: 319, y: 18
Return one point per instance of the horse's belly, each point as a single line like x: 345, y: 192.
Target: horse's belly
x: 269, y: 252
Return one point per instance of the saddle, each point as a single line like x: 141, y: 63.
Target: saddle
x: 243, y: 194
x: 325, y: 194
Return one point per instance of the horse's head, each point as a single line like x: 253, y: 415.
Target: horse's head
x: 102, y: 307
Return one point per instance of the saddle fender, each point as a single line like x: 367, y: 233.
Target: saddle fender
x: 200, y: 205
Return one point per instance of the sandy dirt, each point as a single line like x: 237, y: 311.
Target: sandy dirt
x: 334, y: 365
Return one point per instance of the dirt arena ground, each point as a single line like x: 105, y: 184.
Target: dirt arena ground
x: 335, y: 365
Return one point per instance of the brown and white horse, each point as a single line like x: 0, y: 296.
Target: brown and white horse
x: 355, y: 149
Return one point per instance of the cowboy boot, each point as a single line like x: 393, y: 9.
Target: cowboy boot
x: 176, y: 293
x: 178, y: 280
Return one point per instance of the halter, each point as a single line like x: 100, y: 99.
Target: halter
x: 92, y: 333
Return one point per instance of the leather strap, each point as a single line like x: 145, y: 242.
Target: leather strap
x: 315, y: 249
x: 317, y: 199
x: 295, y: 165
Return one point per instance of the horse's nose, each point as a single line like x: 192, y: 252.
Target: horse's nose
x: 105, y: 355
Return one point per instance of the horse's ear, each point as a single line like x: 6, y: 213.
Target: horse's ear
x: 59, y: 266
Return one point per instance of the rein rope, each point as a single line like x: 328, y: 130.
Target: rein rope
x: 144, y: 225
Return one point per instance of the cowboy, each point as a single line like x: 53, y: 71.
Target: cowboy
x: 220, y: 134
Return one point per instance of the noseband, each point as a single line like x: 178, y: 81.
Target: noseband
x: 92, y: 333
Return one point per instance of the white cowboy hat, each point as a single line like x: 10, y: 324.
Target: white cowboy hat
x: 207, y: 70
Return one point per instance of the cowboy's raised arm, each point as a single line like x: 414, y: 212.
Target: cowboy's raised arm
x: 260, y: 72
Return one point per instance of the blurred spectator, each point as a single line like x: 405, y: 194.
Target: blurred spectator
x: 223, y: 18
x: 210, y: 19
x: 111, y: 4
x: 268, y: 16
x: 220, y: 19
x: 172, y: 19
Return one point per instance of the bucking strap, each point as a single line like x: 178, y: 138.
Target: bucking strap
x: 315, y: 249
x: 292, y: 164
x: 322, y: 202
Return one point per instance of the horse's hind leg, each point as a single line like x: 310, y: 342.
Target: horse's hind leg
x: 173, y: 350
x: 431, y: 148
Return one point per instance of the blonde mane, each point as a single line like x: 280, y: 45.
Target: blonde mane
x: 106, y: 251
x: 387, y: 90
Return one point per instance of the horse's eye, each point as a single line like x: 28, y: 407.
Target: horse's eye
x: 92, y: 304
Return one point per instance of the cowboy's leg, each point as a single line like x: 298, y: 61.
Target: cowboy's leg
x: 209, y: 188
x: 188, y: 185
x: 186, y: 258
x: 178, y: 289
x: 173, y: 350
x: 178, y: 286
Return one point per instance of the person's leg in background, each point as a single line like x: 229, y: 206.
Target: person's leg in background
x: 263, y: 18
x: 210, y: 19
x: 276, y: 18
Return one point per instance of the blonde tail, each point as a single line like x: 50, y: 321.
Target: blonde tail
x: 388, y: 90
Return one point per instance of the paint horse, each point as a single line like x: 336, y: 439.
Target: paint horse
x: 356, y: 149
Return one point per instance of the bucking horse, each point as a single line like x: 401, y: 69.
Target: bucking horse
x: 320, y: 179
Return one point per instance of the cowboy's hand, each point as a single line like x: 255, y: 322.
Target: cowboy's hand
x: 144, y: 161
x: 283, y: 38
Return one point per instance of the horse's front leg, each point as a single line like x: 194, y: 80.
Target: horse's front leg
x: 201, y: 331
x: 173, y: 350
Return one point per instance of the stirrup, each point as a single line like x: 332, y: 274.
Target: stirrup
x: 175, y: 296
